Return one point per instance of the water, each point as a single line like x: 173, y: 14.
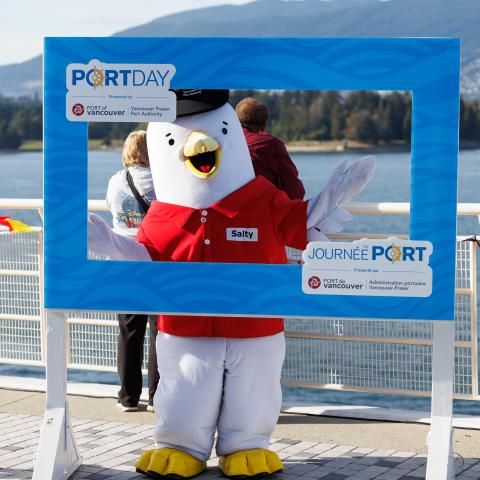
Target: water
x: 391, y: 183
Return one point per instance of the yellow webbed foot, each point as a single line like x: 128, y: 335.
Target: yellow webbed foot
x: 250, y: 463
x: 169, y: 463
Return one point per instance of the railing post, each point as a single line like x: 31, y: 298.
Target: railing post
x: 43, y: 327
x: 68, y: 350
x: 473, y: 318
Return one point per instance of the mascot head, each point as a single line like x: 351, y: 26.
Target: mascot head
x: 201, y: 157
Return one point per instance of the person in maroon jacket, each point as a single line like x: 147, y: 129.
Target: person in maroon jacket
x: 269, y: 155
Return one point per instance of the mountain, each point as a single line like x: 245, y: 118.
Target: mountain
x: 300, y: 18
x: 23, y: 78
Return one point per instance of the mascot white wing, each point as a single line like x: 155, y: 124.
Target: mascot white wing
x: 102, y: 240
x: 324, y: 212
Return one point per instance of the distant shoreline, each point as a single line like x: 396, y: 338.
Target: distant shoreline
x: 328, y: 146
x: 339, y: 146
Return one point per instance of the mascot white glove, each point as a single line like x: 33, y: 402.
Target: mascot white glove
x: 103, y: 241
x: 346, y: 182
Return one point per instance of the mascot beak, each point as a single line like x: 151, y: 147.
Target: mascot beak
x: 202, y: 154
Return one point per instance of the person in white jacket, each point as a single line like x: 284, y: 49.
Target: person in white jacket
x: 129, y: 194
x: 127, y: 212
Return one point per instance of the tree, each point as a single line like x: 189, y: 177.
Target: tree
x: 469, y: 121
x: 319, y: 124
x: 363, y: 127
x: 337, y: 129
x: 407, y: 126
x: 321, y: 109
x: 99, y: 131
x: 391, y: 114
x: 9, y: 139
x: 19, y: 123
x: 292, y: 121
x: 362, y: 100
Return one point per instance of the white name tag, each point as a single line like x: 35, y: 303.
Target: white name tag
x: 242, y: 234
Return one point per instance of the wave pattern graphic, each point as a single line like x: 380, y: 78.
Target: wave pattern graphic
x: 429, y: 68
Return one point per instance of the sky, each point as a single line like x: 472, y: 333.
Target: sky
x: 24, y: 23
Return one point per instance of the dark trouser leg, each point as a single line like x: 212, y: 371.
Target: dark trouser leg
x: 153, y: 375
x: 130, y: 357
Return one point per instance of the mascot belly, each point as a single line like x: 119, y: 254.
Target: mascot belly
x: 219, y: 374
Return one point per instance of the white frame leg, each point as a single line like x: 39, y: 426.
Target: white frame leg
x: 58, y: 455
x: 440, y: 463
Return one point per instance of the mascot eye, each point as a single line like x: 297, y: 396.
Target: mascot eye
x: 171, y: 141
x: 224, y: 131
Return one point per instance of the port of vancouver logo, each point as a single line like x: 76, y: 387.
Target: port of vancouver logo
x: 390, y: 267
x: 78, y: 109
x: 120, y: 92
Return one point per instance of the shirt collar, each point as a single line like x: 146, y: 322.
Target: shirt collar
x: 178, y: 214
x: 229, y: 206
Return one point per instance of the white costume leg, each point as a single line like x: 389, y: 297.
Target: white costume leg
x: 252, y: 394
x: 188, y: 396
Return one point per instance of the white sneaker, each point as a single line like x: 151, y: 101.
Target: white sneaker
x: 150, y: 408
x: 126, y: 408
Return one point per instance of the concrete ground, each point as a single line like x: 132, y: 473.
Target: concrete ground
x: 394, y: 446
x: 365, y: 433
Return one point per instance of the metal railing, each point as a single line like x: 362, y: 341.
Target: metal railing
x: 355, y: 354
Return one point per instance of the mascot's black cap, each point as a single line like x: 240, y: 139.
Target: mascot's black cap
x: 191, y: 102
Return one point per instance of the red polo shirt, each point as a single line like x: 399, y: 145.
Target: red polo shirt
x: 251, y: 225
x: 271, y: 160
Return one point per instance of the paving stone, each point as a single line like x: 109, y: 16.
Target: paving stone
x: 389, y: 476
x: 335, y: 476
x: 11, y: 448
x: 385, y: 463
x: 97, y: 476
x: 289, y: 441
x: 417, y: 474
x: 408, y: 477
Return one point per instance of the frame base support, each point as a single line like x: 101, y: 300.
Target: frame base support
x: 440, y: 462
x: 58, y: 455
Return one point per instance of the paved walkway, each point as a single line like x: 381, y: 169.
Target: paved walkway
x: 110, y: 449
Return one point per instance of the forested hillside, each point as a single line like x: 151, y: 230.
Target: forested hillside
x: 295, y: 116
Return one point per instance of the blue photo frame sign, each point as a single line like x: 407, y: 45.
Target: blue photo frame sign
x: 429, y: 68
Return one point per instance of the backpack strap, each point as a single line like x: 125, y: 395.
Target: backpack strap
x: 143, y: 203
